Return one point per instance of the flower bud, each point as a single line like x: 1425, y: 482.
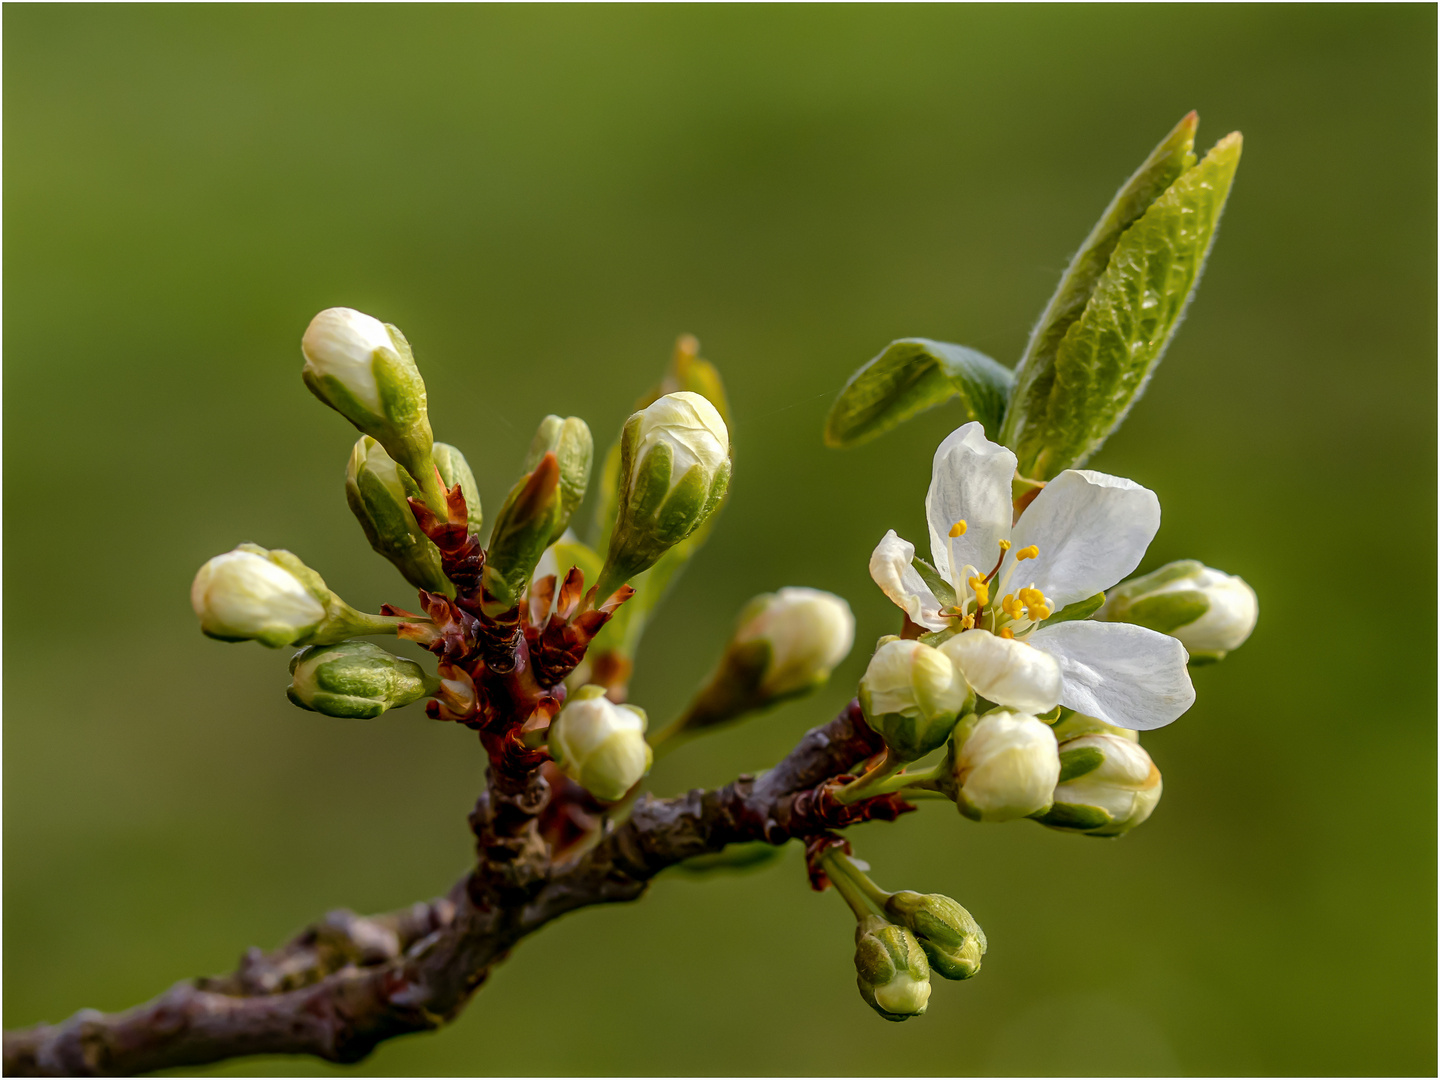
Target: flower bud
x: 911, y: 695
x: 1076, y: 724
x: 355, y: 679
x: 891, y: 969
x: 251, y: 594
x: 364, y: 370
x: 454, y: 469
x: 674, y: 470
x: 523, y: 530
x: 1003, y: 765
x: 570, y: 441
x: 600, y: 745
x: 1208, y: 611
x: 805, y: 633
x: 1108, y: 785
x: 377, y: 489
x: 952, y: 939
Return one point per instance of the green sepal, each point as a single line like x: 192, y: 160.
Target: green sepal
x: 569, y: 439
x: 1168, y: 611
x: 1078, y: 762
x: 910, y: 376
x: 1105, y: 359
x: 1077, y: 818
x: 1080, y: 609
x: 943, y: 590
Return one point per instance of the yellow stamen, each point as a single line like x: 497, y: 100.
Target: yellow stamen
x: 1031, y: 597
x: 1007, y: 633
x: 1039, y: 611
x: 1031, y: 552
x: 1004, y: 546
x: 958, y: 529
x: 967, y: 623
x: 1012, y: 607
x: 982, y: 591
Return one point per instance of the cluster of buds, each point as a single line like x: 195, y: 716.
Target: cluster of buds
x: 901, y: 938
x: 506, y: 637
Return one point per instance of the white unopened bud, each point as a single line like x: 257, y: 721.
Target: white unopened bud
x: 244, y: 596
x: 689, y: 427
x: 911, y: 695
x: 1004, y: 765
x: 364, y: 370
x: 674, y: 470
x: 270, y: 596
x: 807, y: 631
x: 600, y: 745
x: 1210, y: 612
x: 1108, y: 785
x: 340, y: 343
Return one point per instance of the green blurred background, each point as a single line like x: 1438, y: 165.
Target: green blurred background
x: 543, y: 198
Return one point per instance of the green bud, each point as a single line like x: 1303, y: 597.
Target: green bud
x: 355, y: 679
x: 523, y: 530
x: 252, y: 594
x: 1108, y: 785
x: 891, y: 969
x: 952, y: 939
x: 454, y: 469
x: 674, y: 470
x: 911, y: 695
x: 570, y: 441
x: 1209, y: 612
x: 377, y: 489
x: 364, y: 370
x: 600, y: 745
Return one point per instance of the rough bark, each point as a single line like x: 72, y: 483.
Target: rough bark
x: 348, y: 982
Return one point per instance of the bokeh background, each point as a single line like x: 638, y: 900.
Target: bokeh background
x: 543, y: 198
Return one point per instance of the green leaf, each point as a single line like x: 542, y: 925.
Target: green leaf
x: 943, y: 590
x: 1105, y: 358
x: 913, y: 375
x: 1035, y: 374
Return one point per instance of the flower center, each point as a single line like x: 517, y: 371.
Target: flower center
x: 1017, y: 613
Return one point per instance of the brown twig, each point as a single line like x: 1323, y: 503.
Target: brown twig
x: 348, y: 983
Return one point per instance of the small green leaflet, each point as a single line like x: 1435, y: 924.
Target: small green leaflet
x: 1105, y: 358
x: 910, y: 376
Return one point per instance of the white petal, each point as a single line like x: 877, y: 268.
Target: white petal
x: 1092, y: 530
x: 893, y: 571
x: 1005, y: 671
x: 1122, y: 674
x: 970, y: 482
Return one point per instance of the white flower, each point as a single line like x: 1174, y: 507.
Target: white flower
x: 808, y: 631
x: 1006, y: 766
x: 600, y: 745
x: 1210, y: 612
x: 242, y: 595
x: 1081, y: 534
x: 341, y: 342
x: 1112, y: 787
x: 690, y: 426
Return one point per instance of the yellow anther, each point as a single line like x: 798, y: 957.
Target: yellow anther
x: 1007, y: 633
x: 982, y: 590
x: 1031, y: 552
x: 967, y: 623
x: 1039, y: 611
x: 1012, y: 607
x: 1032, y: 597
x: 958, y: 529
x: 1004, y: 546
